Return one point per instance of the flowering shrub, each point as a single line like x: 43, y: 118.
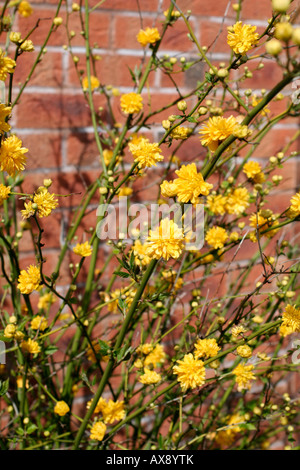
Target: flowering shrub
x: 136, y: 336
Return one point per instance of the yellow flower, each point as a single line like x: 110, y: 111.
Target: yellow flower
x: 145, y: 348
x: 83, y: 249
x: 15, y: 37
x: 29, y: 280
x: 241, y: 38
x: 149, y: 377
x: 285, y: 330
x: 190, y: 184
x: 107, y: 155
x: 10, y: 330
x: 217, y: 203
x: 216, y: 237
x: 168, y: 189
x: 20, y: 382
x: 145, y: 153
x: 237, y: 201
x: 136, y: 139
x: 190, y: 372
x: 291, y: 318
x: 206, y: 348
x: 61, y: 408
x: 27, y: 46
x: 113, y: 411
x: 126, y: 294
x: 166, y: 241
x: 243, y: 376
x: 175, y: 13
x: 140, y: 256
x: 30, y: 346
x: 257, y: 319
x: 255, y: 102
x: 46, y: 300
x: 45, y: 201
x: 4, y: 193
x: 100, y: 405
x: 29, y: 210
x: 295, y: 205
x: 216, y: 130
x: 180, y: 133
x: 94, y: 83
x: 253, y: 171
x: 262, y: 223
x: 39, y: 323
x: 12, y: 158
x: 19, y: 335
x: 7, y: 65
x: 98, y: 431
x: 148, y: 36
x: 5, y: 112
x: 156, y: 356
x: 237, y: 330
x: 244, y: 351
x: 241, y: 131
x: 125, y: 191
x: 25, y: 9
x: 226, y: 437
x: 131, y: 103
x: 234, y: 237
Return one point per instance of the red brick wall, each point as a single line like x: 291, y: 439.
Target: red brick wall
x: 52, y: 117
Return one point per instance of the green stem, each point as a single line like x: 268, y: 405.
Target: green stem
x: 118, y: 344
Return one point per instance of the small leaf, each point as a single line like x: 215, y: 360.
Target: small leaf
x: 3, y: 387
x: 50, y: 350
x: 122, y: 274
x: 31, y: 428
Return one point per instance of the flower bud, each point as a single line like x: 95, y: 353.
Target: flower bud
x: 27, y: 46
x: 222, y: 73
x: 181, y: 105
x: 296, y: 36
x: 47, y: 182
x: 202, y: 110
x: 15, y: 37
x: 57, y: 21
x: 166, y: 124
x: 281, y: 6
x: 283, y: 31
x: 273, y: 47
x: 103, y: 190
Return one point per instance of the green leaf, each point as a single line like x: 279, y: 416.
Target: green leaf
x: 50, y: 350
x: 31, y: 428
x: 208, y: 77
x: 122, y: 274
x: 124, y: 353
x: 191, y: 329
x: 3, y: 338
x: 104, y: 347
x: 249, y: 426
x: 3, y: 387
